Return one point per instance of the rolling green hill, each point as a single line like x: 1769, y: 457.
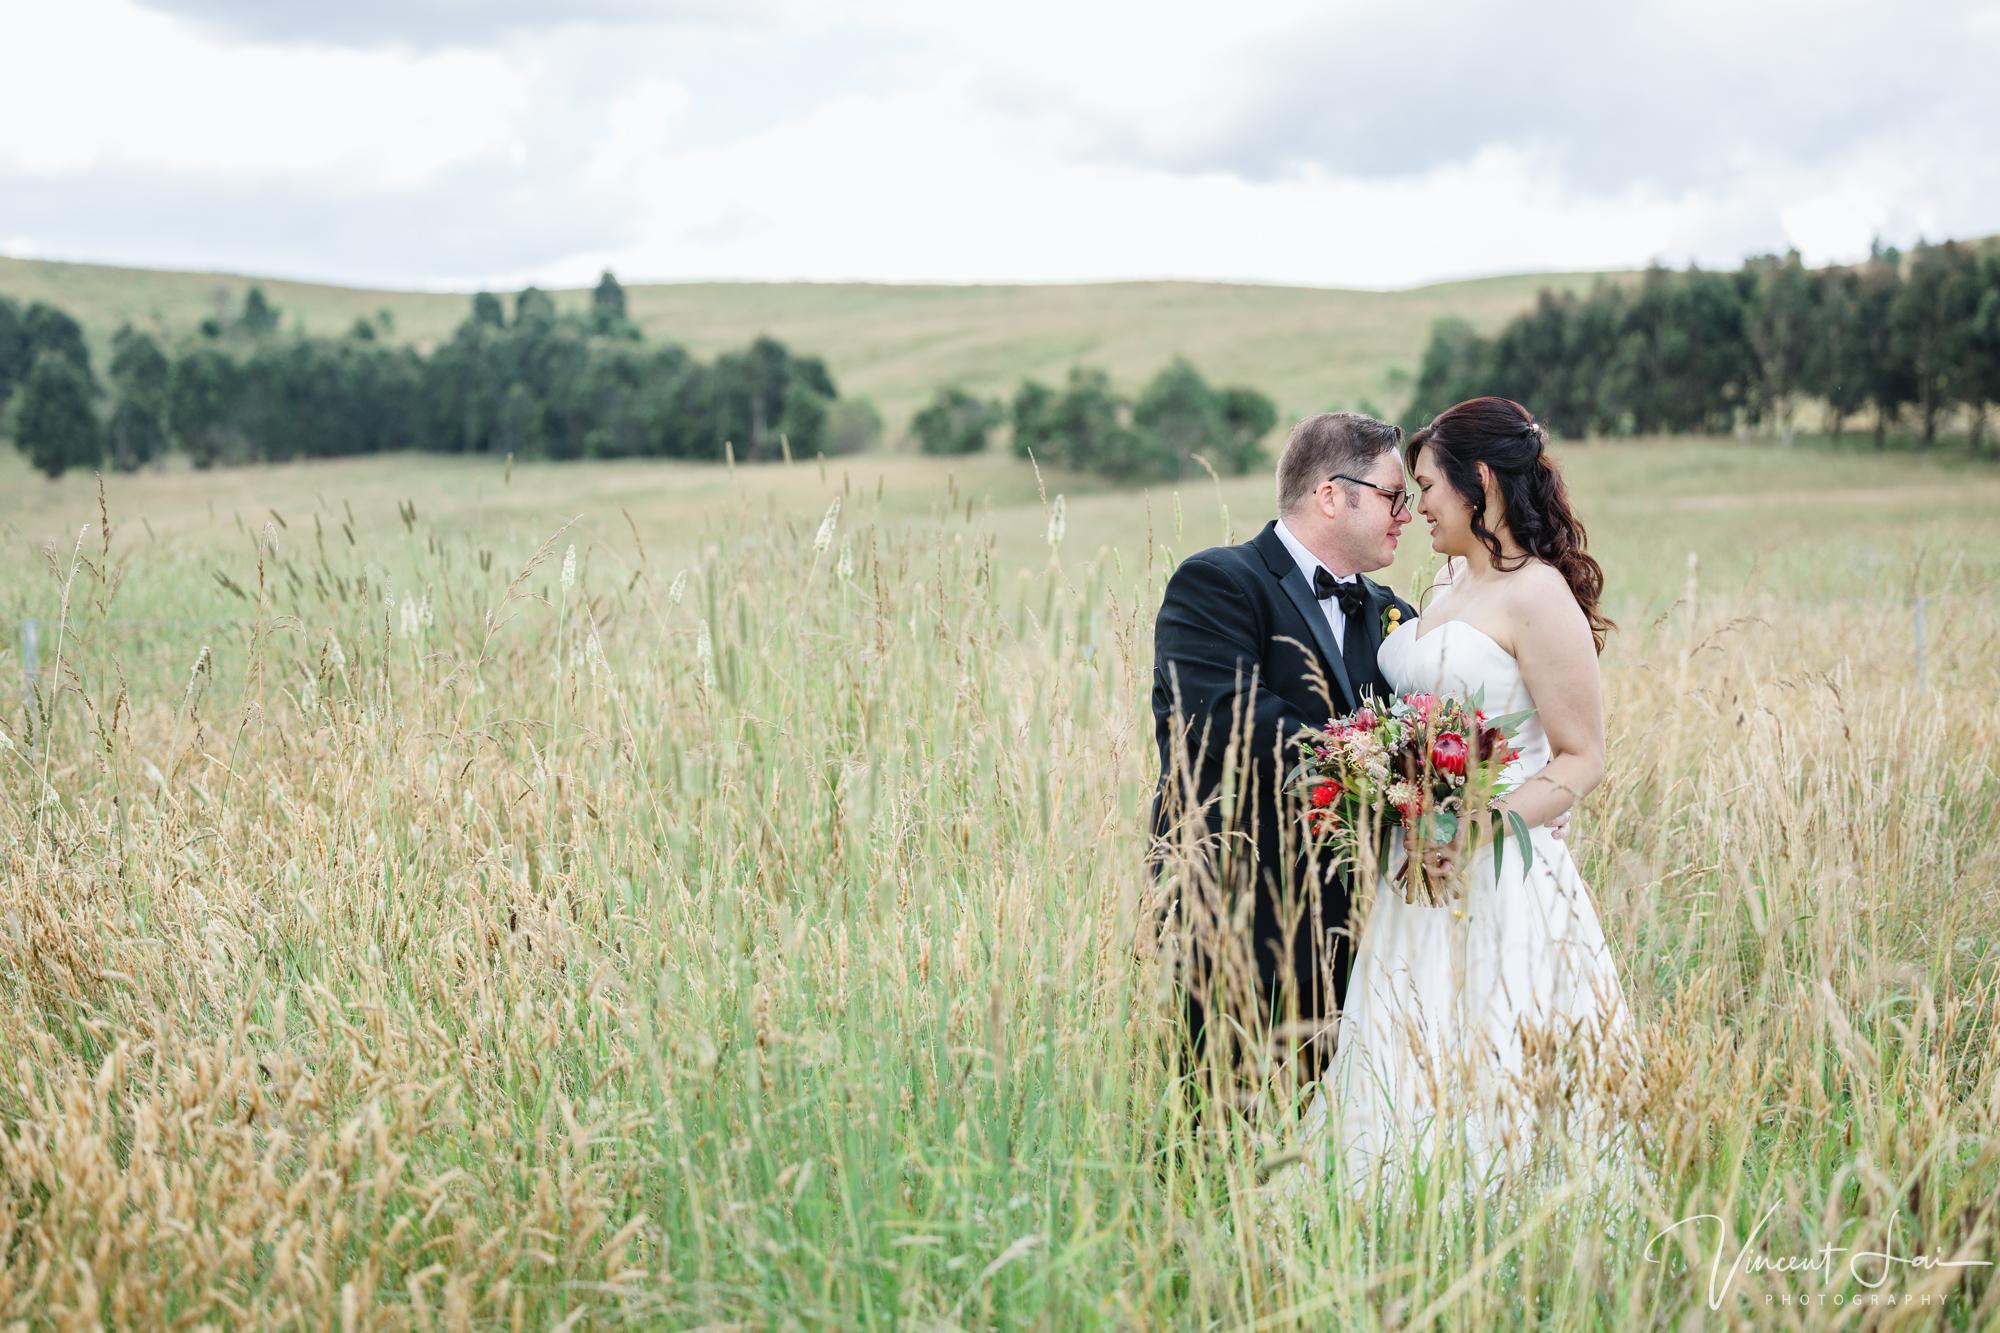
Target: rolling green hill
x: 1309, y: 348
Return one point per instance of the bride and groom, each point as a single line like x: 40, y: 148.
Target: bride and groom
x: 1416, y: 1026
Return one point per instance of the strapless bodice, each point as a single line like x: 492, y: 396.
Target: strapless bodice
x: 1456, y: 659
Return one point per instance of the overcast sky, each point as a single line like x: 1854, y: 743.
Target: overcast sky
x: 455, y: 143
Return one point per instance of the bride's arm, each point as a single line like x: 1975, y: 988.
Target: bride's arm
x: 1558, y: 658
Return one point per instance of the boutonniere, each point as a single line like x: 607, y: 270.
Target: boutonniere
x: 1391, y: 619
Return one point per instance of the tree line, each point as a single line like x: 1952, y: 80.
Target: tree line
x: 1898, y: 336
x: 1087, y: 426
x: 530, y: 382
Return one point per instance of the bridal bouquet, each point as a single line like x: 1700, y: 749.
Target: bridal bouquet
x: 1421, y: 760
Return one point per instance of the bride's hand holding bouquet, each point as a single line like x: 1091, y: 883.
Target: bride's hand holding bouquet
x: 1433, y: 767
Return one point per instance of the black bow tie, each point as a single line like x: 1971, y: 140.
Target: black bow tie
x: 1353, y: 596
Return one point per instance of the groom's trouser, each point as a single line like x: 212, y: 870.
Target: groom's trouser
x: 1302, y: 952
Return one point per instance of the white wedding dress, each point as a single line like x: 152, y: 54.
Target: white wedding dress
x: 1496, y: 1024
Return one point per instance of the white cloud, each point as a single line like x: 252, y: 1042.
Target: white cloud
x: 907, y: 188
x: 639, y: 129
x: 108, y: 86
x: 1838, y: 222
x: 434, y: 143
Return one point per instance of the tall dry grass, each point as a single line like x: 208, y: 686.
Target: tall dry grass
x: 580, y: 945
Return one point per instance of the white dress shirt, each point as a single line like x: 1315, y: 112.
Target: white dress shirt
x: 1308, y: 565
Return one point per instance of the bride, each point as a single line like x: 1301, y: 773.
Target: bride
x: 1474, y: 1025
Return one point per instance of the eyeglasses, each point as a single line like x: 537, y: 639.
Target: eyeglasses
x: 1399, y: 501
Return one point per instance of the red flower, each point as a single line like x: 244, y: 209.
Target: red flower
x: 1365, y: 720
x: 1421, y: 704
x: 1448, y: 752
x: 1325, y: 795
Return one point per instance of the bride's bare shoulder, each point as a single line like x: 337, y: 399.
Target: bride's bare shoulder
x: 1448, y: 573
x: 1538, y: 593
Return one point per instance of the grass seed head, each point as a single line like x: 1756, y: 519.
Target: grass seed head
x: 824, y: 537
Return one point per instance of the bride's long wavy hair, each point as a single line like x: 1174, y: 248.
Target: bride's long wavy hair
x: 1505, y: 436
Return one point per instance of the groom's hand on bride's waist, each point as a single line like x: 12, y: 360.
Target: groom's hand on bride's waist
x: 1559, y: 826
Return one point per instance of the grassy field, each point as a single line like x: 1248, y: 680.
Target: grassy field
x: 721, y: 912
x: 1309, y: 348
x: 1802, y: 522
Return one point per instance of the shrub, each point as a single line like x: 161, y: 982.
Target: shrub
x: 1088, y: 427
x: 955, y: 423
x: 853, y: 426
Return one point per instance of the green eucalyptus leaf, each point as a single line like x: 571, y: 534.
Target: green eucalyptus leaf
x: 1439, y: 826
x: 1520, y: 827
x: 1509, y: 723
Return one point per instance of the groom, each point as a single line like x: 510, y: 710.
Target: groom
x: 1244, y: 638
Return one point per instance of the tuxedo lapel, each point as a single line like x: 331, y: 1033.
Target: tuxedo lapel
x: 1279, y: 561
x: 1294, y: 584
x: 1379, y: 601
x: 1370, y: 678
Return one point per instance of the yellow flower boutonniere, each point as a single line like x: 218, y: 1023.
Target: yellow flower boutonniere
x: 1391, y: 619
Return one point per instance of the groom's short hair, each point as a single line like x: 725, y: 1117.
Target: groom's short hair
x: 1328, y: 443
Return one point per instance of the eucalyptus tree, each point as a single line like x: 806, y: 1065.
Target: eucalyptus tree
x: 139, y: 374
x: 607, y: 310
x: 1777, y: 326
x: 51, y: 330
x: 56, y: 423
x: 1683, y: 364
x: 203, y: 394
x: 1836, y: 362
x: 1936, y: 298
x: 1888, y: 374
x: 1975, y: 348
x: 1454, y: 369
x: 14, y: 357
x: 1531, y: 362
x: 259, y: 318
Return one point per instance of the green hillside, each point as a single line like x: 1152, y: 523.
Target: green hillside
x: 1309, y: 348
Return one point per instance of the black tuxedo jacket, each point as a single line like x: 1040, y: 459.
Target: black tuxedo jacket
x: 1237, y: 635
